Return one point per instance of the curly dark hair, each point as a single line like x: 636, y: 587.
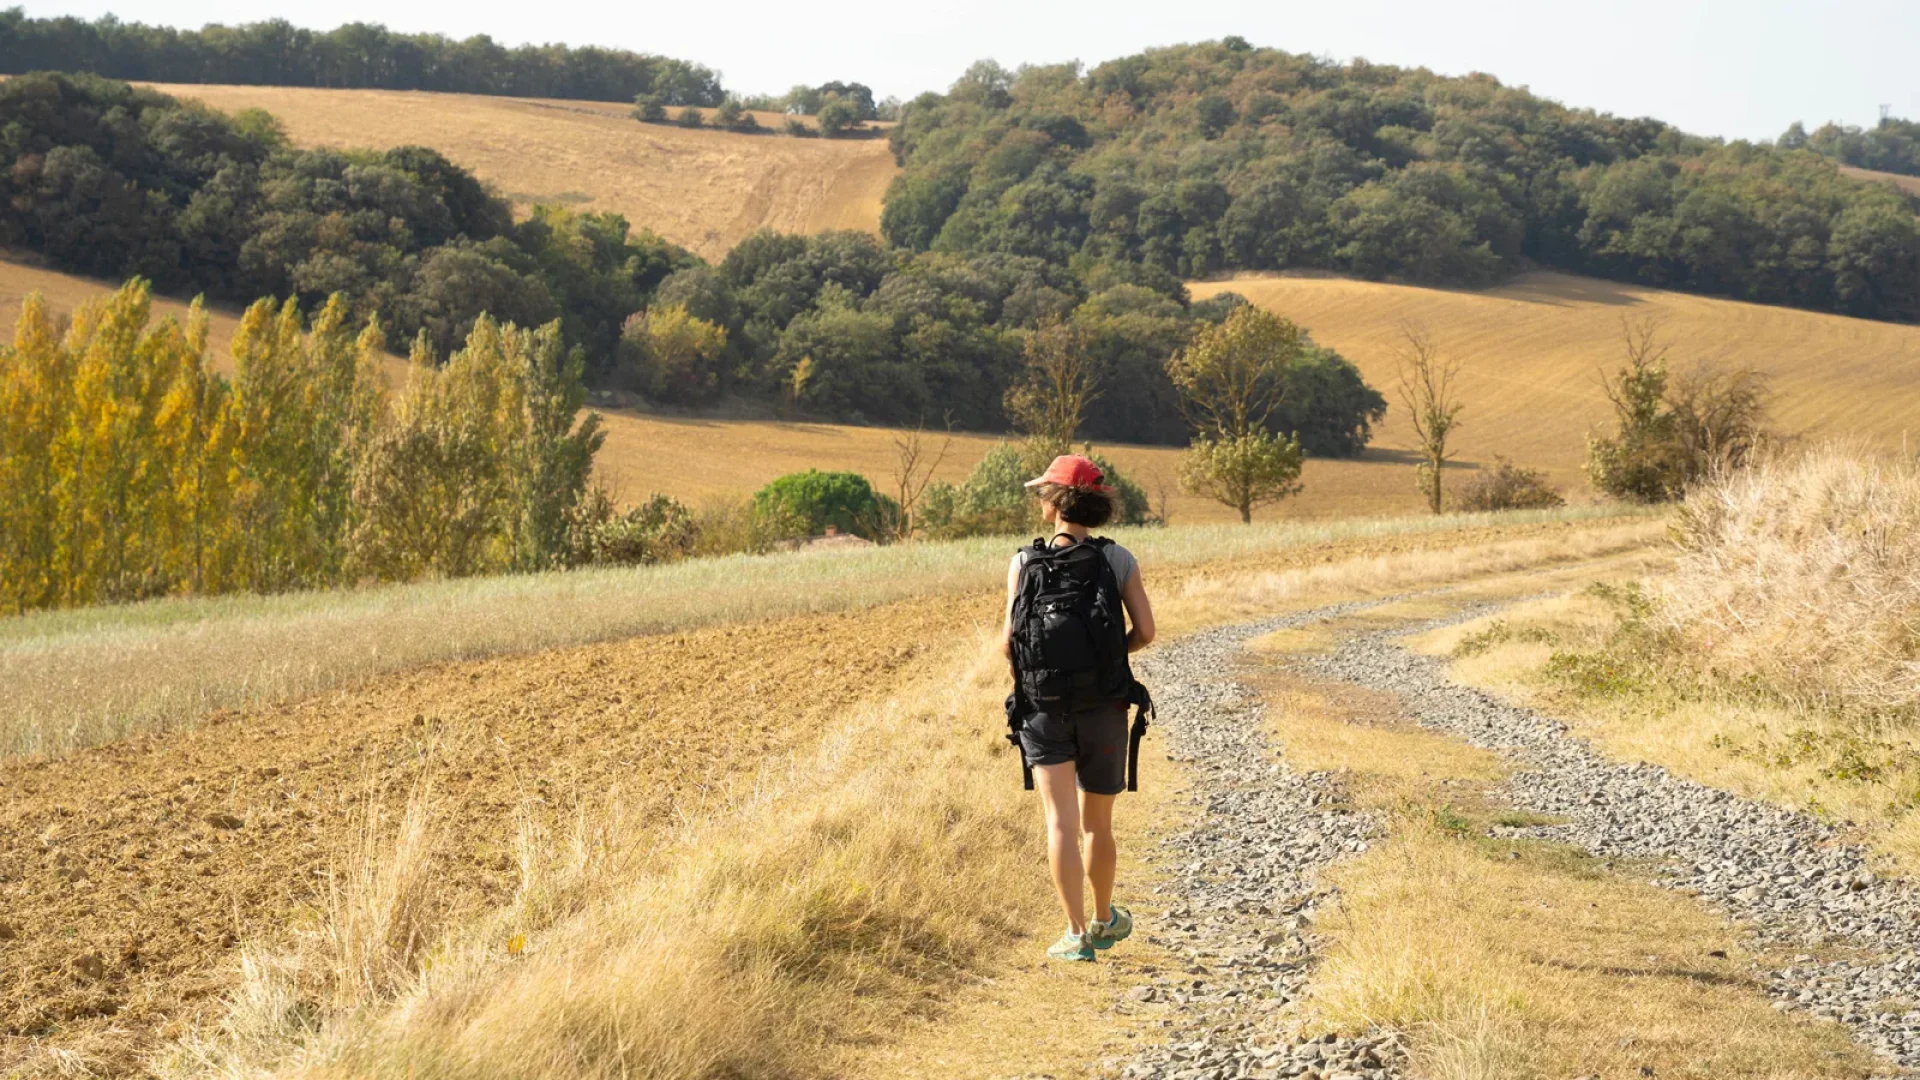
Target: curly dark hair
x: 1078, y: 506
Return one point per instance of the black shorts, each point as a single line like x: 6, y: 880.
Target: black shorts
x: 1093, y: 737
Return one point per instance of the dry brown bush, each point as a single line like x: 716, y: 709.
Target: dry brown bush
x: 1802, y: 575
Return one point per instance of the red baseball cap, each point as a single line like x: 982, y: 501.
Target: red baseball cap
x: 1074, y: 471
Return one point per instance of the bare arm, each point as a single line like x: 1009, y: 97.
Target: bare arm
x: 1133, y: 596
x: 1006, y: 623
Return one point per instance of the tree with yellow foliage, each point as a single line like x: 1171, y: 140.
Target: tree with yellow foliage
x: 305, y: 405
x: 672, y: 355
x: 483, y: 461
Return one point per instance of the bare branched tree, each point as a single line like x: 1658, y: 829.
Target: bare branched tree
x: 1062, y: 379
x: 1433, y: 405
x: 1162, y: 499
x: 913, y: 470
x: 1719, y: 416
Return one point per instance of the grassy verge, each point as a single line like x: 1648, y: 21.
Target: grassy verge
x: 1583, y: 657
x: 78, y: 678
x: 1776, y: 652
x: 791, y: 929
x: 1510, y: 959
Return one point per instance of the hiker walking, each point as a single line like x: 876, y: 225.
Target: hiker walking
x: 1070, y: 598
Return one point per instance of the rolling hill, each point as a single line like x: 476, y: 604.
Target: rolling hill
x: 1531, y: 353
x: 702, y: 189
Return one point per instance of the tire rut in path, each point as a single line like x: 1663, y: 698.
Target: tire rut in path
x: 1786, y: 875
x: 1243, y: 879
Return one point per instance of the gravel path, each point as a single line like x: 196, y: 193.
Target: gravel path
x: 1785, y: 874
x: 1243, y: 886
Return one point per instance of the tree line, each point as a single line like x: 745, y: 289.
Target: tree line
x: 1198, y: 159
x: 129, y: 468
x: 353, y: 56
x: 1892, y: 145
x: 839, y: 325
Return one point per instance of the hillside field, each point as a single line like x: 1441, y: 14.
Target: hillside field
x: 1531, y: 353
x: 702, y: 189
x: 1905, y: 183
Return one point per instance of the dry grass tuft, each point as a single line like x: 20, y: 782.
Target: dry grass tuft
x: 374, y: 938
x: 1802, y: 574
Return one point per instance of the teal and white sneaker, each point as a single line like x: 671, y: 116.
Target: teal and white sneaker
x: 1071, y: 946
x: 1117, y: 926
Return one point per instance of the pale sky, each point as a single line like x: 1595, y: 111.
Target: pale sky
x: 1735, y: 68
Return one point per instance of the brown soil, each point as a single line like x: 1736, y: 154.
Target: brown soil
x: 134, y: 870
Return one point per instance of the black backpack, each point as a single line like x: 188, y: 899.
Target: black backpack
x: 1070, y: 642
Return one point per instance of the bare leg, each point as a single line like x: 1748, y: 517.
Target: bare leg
x: 1101, y: 853
x: 1058, y: 788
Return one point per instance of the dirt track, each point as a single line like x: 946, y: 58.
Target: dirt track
x: 134, y: 870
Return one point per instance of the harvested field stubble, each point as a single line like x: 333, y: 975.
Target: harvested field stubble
x: 1531, y: 353
x: 703, y: 189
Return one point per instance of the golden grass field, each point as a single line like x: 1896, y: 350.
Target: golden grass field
x: 1531, y: 353
x: 700, y: 188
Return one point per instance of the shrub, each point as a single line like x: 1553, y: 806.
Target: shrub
x: 733, y: 116
x: 798, y: 128
x: 1802, y: 575
x: 1507, y: 486
x: 1130, y: 503
x: 1670, y: 433
x: 994, y: 500
x: 843, y: 500
x: 734, y: 527
x: 690, y: 118
x: 649, y: 109
x: 658, y: 530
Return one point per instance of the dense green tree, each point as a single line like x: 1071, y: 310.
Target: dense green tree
x: 845, y: 501
x: 1201, y: 158
x: 837, y: 117
x: 276, y: 53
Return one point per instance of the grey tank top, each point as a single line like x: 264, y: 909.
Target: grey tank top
x: 1123, y: 563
